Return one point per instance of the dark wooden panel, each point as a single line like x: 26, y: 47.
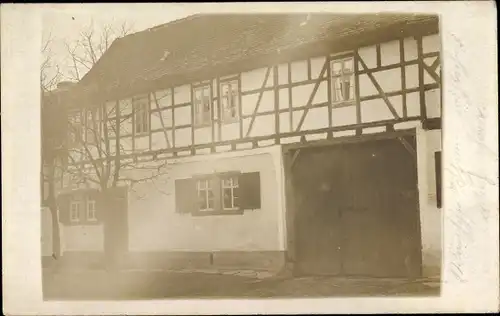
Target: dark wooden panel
x: 357, y: 209
x: 318, y: 195
x: 437, y: 166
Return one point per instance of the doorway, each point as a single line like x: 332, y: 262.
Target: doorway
x: 356, y: 209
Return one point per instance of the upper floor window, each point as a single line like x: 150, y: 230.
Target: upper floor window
x: 229, y: 100
x: 202, y: 105
x: 342, y: 73
x: 75, y: 129
x: 141, y: 111
x: 91, y: 127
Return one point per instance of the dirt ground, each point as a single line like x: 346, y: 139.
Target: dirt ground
x: 102, y: 285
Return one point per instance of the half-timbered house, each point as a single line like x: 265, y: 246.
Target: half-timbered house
x: 305, y: 140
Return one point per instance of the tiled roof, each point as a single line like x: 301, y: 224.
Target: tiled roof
x: 202, y: 41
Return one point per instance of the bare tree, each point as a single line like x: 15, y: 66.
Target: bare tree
x: 50, y: 72
x: 98, y: 157
x: 91, y: 44
x: 52, y: 136
x: 94, y: 154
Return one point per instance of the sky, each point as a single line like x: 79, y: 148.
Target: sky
x: 63, y: 23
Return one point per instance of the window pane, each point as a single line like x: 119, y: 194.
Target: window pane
x: 348, y: 66
x: 346, y: 90
x: 202, y: 203
x: 227, y: 203
x: 211, y: 203
x: 336, y: 68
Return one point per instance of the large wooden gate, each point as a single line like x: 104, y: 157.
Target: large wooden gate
x: 356, y: 209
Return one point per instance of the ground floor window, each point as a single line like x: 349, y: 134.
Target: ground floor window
x: 74, y: 215
x: 224, y: 193
x: 205, y: 195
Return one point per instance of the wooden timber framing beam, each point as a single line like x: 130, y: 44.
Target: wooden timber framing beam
x: 240, y: 107
x: 379, y: 89
x: 193, y: 119
x: 324, y: 104
x: 351, y: 139
x: 357, y: 95
x: 295, y: 155
x: 403, y: 75
x: 290, y: 107
x: 431, y: 72
x: 423, y: 107
x: 432, y: 123
x: 329, y: 91
x: 408, y: 147
x: 291, y: 209
x: 255, y: 140
x: 268, y: 71
x: 214, y: 112
x: 161, y: 121
x: 311, y: 97
x: 435, y: 64
x: 173, y: 115
x: 150, y: 135
x: 277, y: 104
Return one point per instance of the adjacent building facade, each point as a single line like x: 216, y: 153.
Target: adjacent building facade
x: 310, y: 141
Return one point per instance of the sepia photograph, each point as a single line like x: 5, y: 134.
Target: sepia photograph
x: 233, y: 158
x: 242, y: 155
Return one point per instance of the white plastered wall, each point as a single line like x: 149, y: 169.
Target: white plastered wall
x: 429, y: 142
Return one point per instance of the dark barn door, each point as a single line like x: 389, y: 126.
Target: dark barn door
x: 357, y: 209
x: 318, y: 218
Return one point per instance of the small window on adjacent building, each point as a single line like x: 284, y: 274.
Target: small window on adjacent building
x: 342, y: 74
x: 205, y: 195
x: 229, y: 101
x: 74, y: 214
x: 230, y: 193
x: 202, y: 105
x: 141, y: 110
x: 91, y: 210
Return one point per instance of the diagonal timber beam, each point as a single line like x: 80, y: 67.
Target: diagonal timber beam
x: 254, y: 114
x: 408, y: 147
x: 161, y: 120
x: 294, y: 158
x: 313, y: 94
x: 431, y: 72
x: 435, y: 64
x: 377, y: 86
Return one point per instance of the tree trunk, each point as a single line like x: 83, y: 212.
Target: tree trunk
x: 109, y: 207
x: 51, y: 203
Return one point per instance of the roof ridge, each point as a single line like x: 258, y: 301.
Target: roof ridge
x: 159, y: 26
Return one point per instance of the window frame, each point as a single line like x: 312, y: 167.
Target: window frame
x: 335, y: 77
x: 216, y: 181
x: 94, y: 210
x: 232, y: 187
x: 72, y: 219
x: 231, y: 83
x: 199, y: 116
x: 208, y: 187
x: 76, y: 133
x: 142, y: 113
